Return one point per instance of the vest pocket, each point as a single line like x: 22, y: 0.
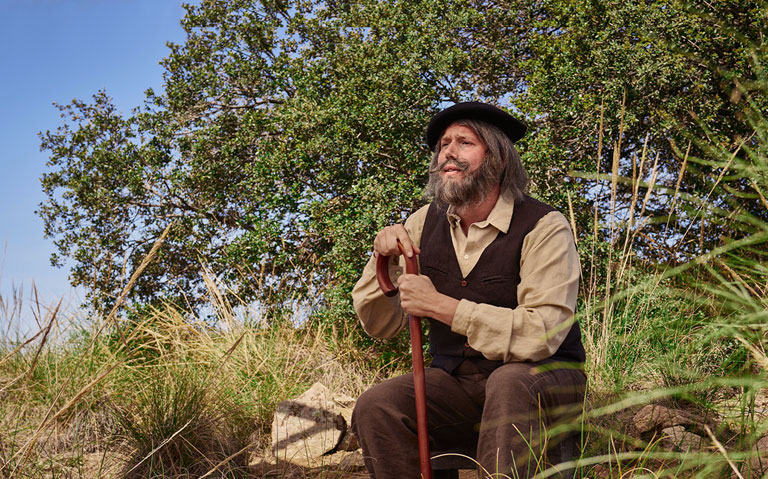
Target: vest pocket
x: 498, y: 290
x: 431, y: 268
x: 495, y: 279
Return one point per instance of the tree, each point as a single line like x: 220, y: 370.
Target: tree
x: 288, y: 133
x: 663, y: 75
x: 285, y: 136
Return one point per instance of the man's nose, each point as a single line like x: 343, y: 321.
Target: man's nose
x: 450, y: 151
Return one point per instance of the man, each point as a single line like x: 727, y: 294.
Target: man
x: 498, y: 286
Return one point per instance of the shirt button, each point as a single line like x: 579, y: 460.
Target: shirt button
x: 463, y: 282
x: 466, y: 256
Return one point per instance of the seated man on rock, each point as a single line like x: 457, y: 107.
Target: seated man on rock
x: 498, y: 285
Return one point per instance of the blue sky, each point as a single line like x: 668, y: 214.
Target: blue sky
x: 54, y: 51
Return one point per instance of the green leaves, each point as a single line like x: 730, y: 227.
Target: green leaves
x: 288, y: 133
x: 274, y: 120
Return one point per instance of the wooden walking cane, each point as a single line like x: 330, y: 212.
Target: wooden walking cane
x: 419, y: 384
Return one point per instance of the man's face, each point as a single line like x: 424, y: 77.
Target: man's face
x: 461, y: 175
x: 461, y: 153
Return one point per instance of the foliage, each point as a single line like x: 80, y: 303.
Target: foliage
x: 694, y: 331
x: 288, y: 133
x: 663, y: 74
x: 268, y: 149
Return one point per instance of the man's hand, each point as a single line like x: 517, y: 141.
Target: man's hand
x: 418, y: 297
x: 386, y: 242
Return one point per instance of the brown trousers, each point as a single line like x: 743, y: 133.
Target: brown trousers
x: 504, y: 416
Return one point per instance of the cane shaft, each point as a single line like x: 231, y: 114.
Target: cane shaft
x: 419, y: 383
x: 420, y: 394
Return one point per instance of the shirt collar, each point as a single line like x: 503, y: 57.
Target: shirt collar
x: 499, y: 217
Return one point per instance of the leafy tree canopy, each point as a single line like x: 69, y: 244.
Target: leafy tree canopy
x: 288, y: 133
x: 651, y: 79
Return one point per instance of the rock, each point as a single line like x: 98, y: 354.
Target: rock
x: 652, y: 417
x: 757, y: 465
x: 600, y: 472
x: 348, y: 441
x: 351, y: 460
x: 308, y: 428
x: 677, y: 438
x: 762, y: 446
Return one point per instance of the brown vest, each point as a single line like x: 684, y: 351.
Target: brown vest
x: 492, y: 281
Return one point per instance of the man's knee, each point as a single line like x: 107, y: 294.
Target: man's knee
x: 369, y: 402
x: 512, y: 380
x: 383, y: 401
x: 543, y: 392
x: 537, y: 380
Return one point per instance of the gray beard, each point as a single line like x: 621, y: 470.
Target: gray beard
x: 470, y: 190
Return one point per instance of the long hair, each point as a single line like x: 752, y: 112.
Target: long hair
x: 501, y: 158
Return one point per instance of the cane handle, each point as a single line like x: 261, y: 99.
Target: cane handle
x: 382, y: 270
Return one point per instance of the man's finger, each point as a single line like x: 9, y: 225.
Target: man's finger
x: 405, y: 240
x: 386, y: 242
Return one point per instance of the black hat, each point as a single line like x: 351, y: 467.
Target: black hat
x: 472, y: 110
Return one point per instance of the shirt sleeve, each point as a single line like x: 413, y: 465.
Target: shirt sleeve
x: 382, y: 316
x: 546, y: 296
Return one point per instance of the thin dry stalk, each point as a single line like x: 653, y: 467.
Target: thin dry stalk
x: 608, y: 305
x: 48, y: 418
x: 624, y: 262
x: 651, y: 184
x: 759, y: 356
x: 738, y: 278
x: 20, y: 347
x: 11, y: 309
x: 700, y: 208
x: 219, y: 302
x: 759, y: 193
x: 593, y: 275
x: 27, y: 447
x: 160, y: 446
x: 229, y: 458
x: 144, y: 263
x: 615, y: 165
x: 677, y: 187
x: 573, y: 219
x: 228, y: 354
x: 44, y: 331
x: 721, y: 450
x: 632, y: 231
x: 614, y: 185
x: 591, y: 304
x: 43, y: 341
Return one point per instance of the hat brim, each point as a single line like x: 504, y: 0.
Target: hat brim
x: 512, y: 127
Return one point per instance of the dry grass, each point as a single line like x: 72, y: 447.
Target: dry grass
x: 163, y: 396
x: 693, y: 335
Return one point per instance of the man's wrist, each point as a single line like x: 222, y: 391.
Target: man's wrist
x: 444, y: 309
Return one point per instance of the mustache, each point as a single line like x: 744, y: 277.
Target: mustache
x: 458, y: 163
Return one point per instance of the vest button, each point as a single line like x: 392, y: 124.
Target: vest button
x: 466, y: 345
x: 463, y: 282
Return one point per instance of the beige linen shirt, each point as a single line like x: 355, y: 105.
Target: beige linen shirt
x: 546, y: 295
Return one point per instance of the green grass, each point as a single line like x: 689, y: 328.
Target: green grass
x: 164, y: 395
x: 183, y: 400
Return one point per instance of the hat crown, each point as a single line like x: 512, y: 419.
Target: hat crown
x: 473, y: 110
